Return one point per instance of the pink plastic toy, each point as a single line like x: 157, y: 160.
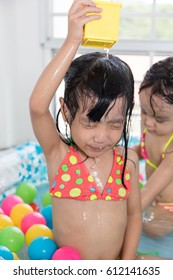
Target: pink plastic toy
x: 66, y: 253
x: 9, y: 202
x: 32, y: 219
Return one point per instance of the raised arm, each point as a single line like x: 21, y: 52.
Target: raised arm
x: 50, y: 79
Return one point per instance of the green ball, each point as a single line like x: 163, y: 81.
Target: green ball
x: 46, y: 199
x: 141, y: 185
x: 26, y: 191
x: 13, y: 238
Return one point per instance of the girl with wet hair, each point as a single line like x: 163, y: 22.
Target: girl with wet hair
x: 156, y: 147
x: 93, y: 179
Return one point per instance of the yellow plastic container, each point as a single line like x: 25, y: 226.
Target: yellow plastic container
x: 103, y: 33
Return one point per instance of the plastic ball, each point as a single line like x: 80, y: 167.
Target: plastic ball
x: 35, y: 206
x: 42, y: 248
x: 36, y: 231
x: 31, y: 219
x: 47, y: 213
x: 141, y: 185
x: 5, y: 221
x: 19, y: 211
x: 5, y: 253
x: 66, y: 253
x: 46, y: 199
x: 9, y: 202
x: 1, y: 211
x: 15, y: 256
x: 13, y: 238
x: 26, y: 191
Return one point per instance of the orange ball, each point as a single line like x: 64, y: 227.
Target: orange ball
x: 36, y: 231
x: 19, y: 211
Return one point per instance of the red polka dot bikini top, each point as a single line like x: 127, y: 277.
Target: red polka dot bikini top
x: 74, y: 181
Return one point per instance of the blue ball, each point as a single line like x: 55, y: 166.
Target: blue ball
x: 5, y: 253
x: 42, y: 248
x: 47, y: 213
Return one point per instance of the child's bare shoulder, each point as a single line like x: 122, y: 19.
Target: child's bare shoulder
x: 131, y: 154
x: 132, y: 157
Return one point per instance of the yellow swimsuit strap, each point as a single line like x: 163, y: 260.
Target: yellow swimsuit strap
x: 151, y: 164
x: 147, y: 159
x: 163, y: 153
x: 166, y: 146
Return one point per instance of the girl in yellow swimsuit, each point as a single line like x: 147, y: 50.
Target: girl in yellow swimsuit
x: 156, y: 147
x: 93, y: 180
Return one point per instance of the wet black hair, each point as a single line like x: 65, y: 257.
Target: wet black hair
x: 102, y: 78
x: 160, y: 78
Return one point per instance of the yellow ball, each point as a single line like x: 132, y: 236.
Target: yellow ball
x: 36, y: 231
x: 15, y: 256
x: 19, y: 211
x: 5, y: 221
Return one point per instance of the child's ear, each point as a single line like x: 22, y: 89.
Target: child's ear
x: 64, y: 110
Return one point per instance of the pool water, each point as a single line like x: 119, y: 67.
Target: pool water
x: 163, y: 246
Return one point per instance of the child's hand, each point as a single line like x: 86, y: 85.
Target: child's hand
x: 78, y: 16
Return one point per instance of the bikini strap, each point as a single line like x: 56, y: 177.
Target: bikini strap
x: 151, y: 164
x: 166, y: 146
x: 144, y: 154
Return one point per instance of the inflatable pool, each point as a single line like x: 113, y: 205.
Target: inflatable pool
x: 22, y: 163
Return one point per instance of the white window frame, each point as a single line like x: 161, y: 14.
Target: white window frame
x: 151, y: 47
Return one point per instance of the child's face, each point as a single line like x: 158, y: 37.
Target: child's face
x: 95, y: 138
x: 158, y: 118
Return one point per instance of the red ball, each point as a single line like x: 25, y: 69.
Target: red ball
x: 35, y: 206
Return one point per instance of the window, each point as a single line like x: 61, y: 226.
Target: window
x: 148, y: 20
x: 145, y: 32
